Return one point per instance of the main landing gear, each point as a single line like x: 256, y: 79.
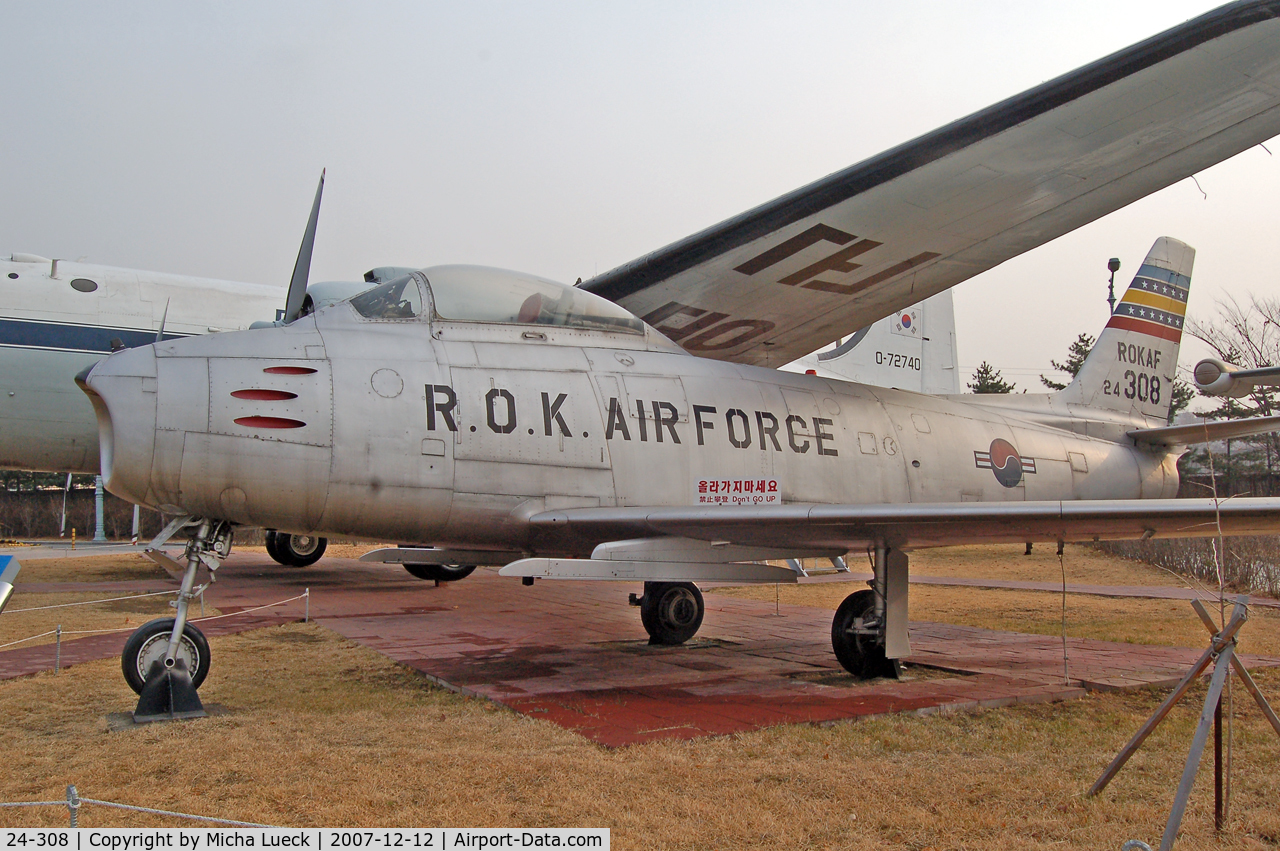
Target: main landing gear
x: 869, y: 631
x: 295, y: 550
x: 440, y: 572
x: 166, y: 660
x: 856, y: 641
x: 670, y: 611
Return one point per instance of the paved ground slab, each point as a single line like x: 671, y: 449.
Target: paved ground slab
x: 574, y: 653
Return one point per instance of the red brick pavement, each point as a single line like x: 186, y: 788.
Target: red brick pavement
x: 574, y: 652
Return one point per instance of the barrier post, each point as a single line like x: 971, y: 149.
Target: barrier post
x: 73, y: 805
x: 57, y: 652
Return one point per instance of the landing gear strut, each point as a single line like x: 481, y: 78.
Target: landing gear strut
x: 166, y: 660
x: 295, y: 550
x: 869, y: 631
x: 671, y: 611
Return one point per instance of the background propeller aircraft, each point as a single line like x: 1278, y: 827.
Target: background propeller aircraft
x: 632, y: 428
x: 61, y: 317
x: 49, y: 334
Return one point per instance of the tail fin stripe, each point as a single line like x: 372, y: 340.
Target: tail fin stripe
x: 1126, y: 323
x: 1177, y: 308
x: 1150, y: 314
x: 1164, y: 276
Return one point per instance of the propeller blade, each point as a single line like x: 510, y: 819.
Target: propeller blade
x: 163, y: 319
x: 302, y: 268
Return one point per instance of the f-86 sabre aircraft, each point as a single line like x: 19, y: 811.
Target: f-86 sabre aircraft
x: 631, y: 428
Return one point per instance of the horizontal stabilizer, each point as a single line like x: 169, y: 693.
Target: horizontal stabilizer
x: 1204, y: 432
x: 1213, y: 377
x: 434, y: 555
x: 647, y: 571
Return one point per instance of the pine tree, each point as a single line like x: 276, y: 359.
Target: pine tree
x: 987, y: 379
x: 1076, y: 353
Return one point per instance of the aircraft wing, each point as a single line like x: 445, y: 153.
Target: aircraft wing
x: 853, y: 247
x: 851, y: 527
x: 1204, y: 432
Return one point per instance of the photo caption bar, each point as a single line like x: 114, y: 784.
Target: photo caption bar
x: 314, y: 839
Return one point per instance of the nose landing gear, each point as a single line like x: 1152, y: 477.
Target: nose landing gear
x: 166, y: 660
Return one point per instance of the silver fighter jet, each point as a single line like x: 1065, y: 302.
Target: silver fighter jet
x: 632, y: 428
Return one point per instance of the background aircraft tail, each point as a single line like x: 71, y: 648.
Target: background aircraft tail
x: 1132, y: 366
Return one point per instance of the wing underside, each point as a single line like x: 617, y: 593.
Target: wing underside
x: 842, y: 528
x: 857, y: 245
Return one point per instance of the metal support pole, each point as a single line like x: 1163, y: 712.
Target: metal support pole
x: 98, y: 534
x: 73, y: 806
x: 57, y: 653
x: 1197, y: 748
x: 1219, y: 801
x: 136, y: 511
x: 62, y: 529
x: 1218, y: 645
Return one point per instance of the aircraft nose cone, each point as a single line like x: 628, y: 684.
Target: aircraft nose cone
x: 122, y: 389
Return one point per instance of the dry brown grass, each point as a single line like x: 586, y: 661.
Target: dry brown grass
x: 319, y: 731
x: 1170, y: 623
x: 355, y: 740
x: 118, y: 614
x: 332, y: 550
x: 1084, y: 565
x: 109, y: 568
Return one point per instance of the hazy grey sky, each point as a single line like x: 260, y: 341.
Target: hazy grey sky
x: 557, y: 138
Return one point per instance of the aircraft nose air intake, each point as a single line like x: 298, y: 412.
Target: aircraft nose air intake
x: 122, y: 389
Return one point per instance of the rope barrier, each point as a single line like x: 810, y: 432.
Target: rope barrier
x: 35, y: 804
x: 169, y: 813
x: 306, y: 595
x: 74, y: 802
x: 247, y: 611
x: 91, y: 602
x: 28, y: 638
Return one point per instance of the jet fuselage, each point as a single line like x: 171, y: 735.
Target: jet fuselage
x: 416, y: 428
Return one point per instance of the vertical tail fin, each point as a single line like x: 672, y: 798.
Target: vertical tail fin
x: 1132, y: 366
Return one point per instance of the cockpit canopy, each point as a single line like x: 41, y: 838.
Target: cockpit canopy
x: 481, y: 294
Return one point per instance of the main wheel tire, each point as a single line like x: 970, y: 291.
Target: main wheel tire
x: 441, y: 572
x: 273, y: 547
x: 148, y: 645
x: 859, y: 654
x: 671, y: 611
x: 295, y: 550
x: 302, y: 550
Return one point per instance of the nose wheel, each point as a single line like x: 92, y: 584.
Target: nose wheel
x: 148, y: 645
x: 671, y: 611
